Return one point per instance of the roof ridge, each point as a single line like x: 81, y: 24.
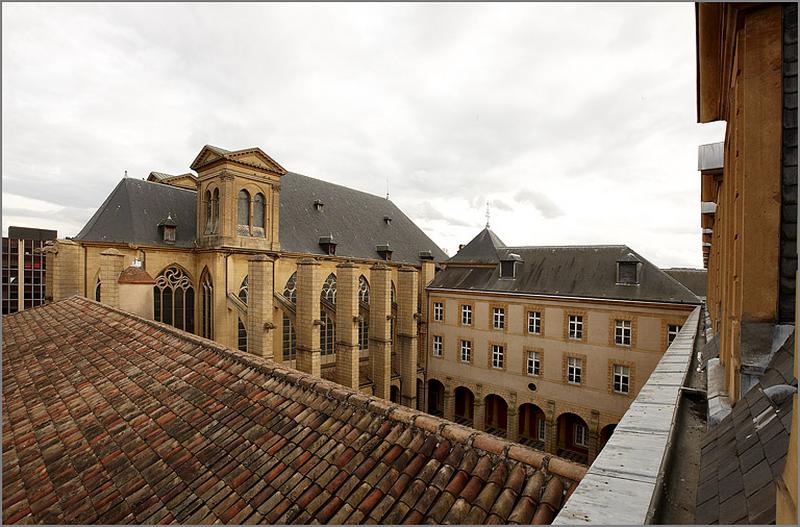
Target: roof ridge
x: 351, y: 189
x: 414, y: 418
x: 161, y: 185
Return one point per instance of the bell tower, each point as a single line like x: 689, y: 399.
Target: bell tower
x: 238, y: 199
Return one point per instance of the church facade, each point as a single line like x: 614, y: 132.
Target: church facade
x: 324, y: 278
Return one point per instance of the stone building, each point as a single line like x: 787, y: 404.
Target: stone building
x: 747, y: 77
x: 547, y: 345
x: 319, y: 276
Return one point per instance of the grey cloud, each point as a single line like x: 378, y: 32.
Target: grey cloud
x: 501, y: 205
x: 543, y: 204
x: 426, y: 211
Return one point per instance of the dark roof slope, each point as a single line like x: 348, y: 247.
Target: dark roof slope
x: 578, y: 271
x: 110, y: 418
x: 355, y: 219
x: 133, y: 210
x: 481, y: 249
x: 742, y: 458
x: 696, y: 280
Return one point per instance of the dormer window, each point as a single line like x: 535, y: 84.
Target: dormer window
x: 385, y: 251
x: 328, y: 245
x: 318, y: 205
x: 628, y: 270
x: 387, y: 220
x: 508, y: 266
x: 168, y: 228
x: 425, y: 255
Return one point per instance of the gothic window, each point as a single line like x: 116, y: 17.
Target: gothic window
x: 329, y: 289
x: 241, y: 336
x: 97, y: 291
x: 394, y: 294
x: 243, y: 290
x: 290, y: 291
x: 173, y: 299
x: 363, y: 323
x: 289, y: 339
x: 258, y: 214
x: 327, y: 334
x: 207, y: 306
x: 363, y: 289
x: 209, y: 214
x: 243, y: 212
x: 215, y: 211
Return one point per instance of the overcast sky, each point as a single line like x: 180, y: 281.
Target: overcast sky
x: 576, y: 122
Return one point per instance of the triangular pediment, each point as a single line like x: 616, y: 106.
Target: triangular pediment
x: 250, y: 157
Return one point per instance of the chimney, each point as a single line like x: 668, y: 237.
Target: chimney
x: 136, y: 291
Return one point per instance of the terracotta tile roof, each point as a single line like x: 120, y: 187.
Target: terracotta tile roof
x: 109, y: 418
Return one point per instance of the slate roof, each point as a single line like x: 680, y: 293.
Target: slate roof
x: 132, y: 211
x: 742, y: 458
x: 696, y: 280
x: 111, y: 418
x: 587, y: 271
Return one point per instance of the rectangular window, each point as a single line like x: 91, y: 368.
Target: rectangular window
x: 672, y: 332
x: 622, y: 378
x: 580, y: 435
x: 534, y: 322
x: 534, y: 363
x: 437, y: 346
x: 542, y: 429
x: 466, y: 315
x: 466, y: 351
x: 497, y: 356
x: 574, y: 370
x: 438, y: 311
x: 622, y: 332
x: 576, y: 327
x: 499, y: 318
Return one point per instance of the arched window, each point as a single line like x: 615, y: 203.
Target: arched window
x: 289, y: 339
x: 243, y: 212
x: 242, y: 336
x: 209, y: 213
x: 243, y: 290
x: 290, y: 291
x: 207, y: 306
x: 363, y: 323
x: 97, y: 291
x: 394, y: 293
x: 327, y: 335
x: 215, y: 211
x: 173, y: 299
x: 329, y: 289
x: 258, y: 214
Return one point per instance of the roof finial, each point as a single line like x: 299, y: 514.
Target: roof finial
x: 488, y: 214
x: 126, y: 174
x: 387, y: 186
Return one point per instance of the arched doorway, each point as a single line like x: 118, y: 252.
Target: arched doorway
x: 496, y: 415
x: 605, y: 435
x: 394, y: 394
x: 572, y: 438
x: 435, y: 397
x: 420, y: 394
x: 532, y: 426
x: 465, y: 404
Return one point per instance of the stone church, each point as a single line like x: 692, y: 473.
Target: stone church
x: 324, y: 278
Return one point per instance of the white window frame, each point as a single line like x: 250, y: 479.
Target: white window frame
x: 576, y: 327
x: 534, y: 363
x: 466, y: 349
x: 622, y: 379
x: 671, y: 334
x: 438, y: 345
x: 438, y: 311
x: 574, y: 370
x: 498, y: 356
x: 542, y: 429
x: 580, y: 433
x: 498, y: 318
x: 622, y: 332
x: 466, y: 315
x: 534, y: 322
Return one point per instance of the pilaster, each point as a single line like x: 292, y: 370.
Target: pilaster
x: 594, y: 436
x: 512, y: 421
x: 260, y: 306
x: 479, y: 413
x: 380, y: 312
x: 307, y: 317
x: 449, y: 402
x: 551, y: 430
x: 407, y: 334
x: 111, y: 261
x: 347, y: 373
